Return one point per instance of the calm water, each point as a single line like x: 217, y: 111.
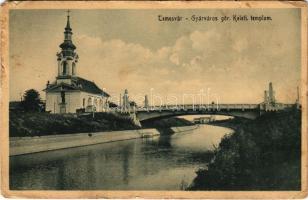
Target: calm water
x: 161, y: 163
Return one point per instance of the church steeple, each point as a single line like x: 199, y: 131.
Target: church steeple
x: 67, y: 58
x: 67, y: 46
x: 68, y: 27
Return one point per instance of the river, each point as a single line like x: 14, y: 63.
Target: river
x: 159, y: 163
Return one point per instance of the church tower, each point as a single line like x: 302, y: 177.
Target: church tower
x: 70, y: 93
x: 67, y: 58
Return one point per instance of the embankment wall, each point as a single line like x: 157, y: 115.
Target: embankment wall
x: 26, y: 145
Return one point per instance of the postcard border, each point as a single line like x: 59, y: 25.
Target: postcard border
x: 4, y: 94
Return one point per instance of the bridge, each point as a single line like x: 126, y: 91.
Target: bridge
x: 249, y: 111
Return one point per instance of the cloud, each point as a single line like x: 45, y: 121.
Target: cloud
x: 228, y: 63
x: 174, y: 58
x: 197, y: 60
x: 201, y: 40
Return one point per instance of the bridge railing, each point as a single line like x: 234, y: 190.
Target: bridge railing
x: 213, y: 107
x: 275, y: 107
x: 206, y: 107
x: 199, y: 107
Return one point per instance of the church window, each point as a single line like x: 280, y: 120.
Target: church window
x: 74, y: 69
x: 64, y: 68
x: 83, y: 102
x: 89, y: 101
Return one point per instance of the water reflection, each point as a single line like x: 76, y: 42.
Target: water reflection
x: 161, y: 163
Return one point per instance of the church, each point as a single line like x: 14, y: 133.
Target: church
x: 70, y: 93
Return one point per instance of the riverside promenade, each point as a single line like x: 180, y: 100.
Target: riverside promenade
x: 27, y: 145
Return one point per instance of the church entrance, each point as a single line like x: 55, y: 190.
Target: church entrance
x: 62, y: 108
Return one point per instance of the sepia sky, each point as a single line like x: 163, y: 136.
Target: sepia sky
x: 231, y: 62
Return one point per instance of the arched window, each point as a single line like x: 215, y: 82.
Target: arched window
x: 74, y: 69
x: 89, y: 101
x: 83, y: 102
x: 64, y: 66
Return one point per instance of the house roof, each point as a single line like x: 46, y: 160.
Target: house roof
x: 80, y: 84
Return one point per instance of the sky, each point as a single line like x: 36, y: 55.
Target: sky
x: 230, y: 62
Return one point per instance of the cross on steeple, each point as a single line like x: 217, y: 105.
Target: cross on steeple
x: 68, y: 20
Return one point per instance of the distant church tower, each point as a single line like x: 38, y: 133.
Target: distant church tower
x: 67, y: 58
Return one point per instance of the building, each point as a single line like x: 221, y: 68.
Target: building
x: 204, y: 120
x: 70, y: 93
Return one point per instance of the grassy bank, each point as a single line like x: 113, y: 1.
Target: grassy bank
x: 262, y: 154
x: 23, y: 124
x: 39, y: 124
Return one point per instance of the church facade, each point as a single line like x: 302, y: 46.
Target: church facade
x: 70, y: 93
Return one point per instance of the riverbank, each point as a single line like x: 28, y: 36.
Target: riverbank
x: 37, y: 132
x: 26, y: 145
x: 27, y: 124
x: 261, y: 154
x: 180, y: 129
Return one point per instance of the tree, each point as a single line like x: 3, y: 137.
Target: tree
x: 31, y: 101
x: 112, y: 105
x: 133, y: 104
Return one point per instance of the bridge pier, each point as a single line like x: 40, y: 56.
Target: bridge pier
x: 135, y: 119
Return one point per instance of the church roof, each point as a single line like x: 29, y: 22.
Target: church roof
x: 78, y: 83
x: 89, y: 86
